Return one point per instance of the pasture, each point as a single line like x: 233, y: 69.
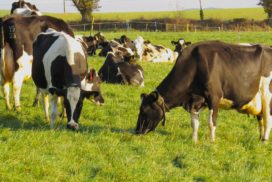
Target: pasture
x: 106, y: 148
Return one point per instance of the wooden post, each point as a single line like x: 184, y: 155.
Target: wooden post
x: 92, y: 26
x: 187, y: 27
x: 64, y: 6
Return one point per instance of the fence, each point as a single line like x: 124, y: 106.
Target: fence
x: 142, y: 26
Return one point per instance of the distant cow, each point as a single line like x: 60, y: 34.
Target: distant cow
x: 153, y: 53
x: 116, y: 70
x: 24, y: 8
x: 213, y: 74
x: 126, y: 42
x: 93, y: 42
x: 18, y: 34
x: 180, y: 45
x: 60, y: 68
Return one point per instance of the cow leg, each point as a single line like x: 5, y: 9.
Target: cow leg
x: 6, y: 95
x: 17, y: 85
x: 195, y: 125
x: 211, y: 125
x: 261, y: 126
x: 45, y: 104
x: 37, y: 97
x: 63, y: 111
x: 53, y: 110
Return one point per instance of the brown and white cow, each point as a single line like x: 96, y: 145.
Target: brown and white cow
x: 60, y: 68
x: 17, y: 35
x: 24, y: 8
x: 153, y: 53
x: 214, y: 74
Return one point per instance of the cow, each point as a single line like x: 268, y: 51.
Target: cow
x: 126, y: 42
x: 153, y: 53
x: 93, y: 42
x: 116, y: 69
x: 17, y: 35
x: 60, y: 69
x: 24, y: 8
x: 180, y: 45
x: 213, y: 75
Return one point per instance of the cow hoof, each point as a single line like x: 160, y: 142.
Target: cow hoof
x: 73, y: 126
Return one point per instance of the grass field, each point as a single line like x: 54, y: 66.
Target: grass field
x: 223, y: 14
x: 106, y: 148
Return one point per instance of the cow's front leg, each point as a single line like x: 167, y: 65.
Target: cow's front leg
x: 211, y: 124
x: 53, y: 110
x: 17, y: 86
x: 63, y: 110
x: 37, y: 97
x: 195, y: 125
x: 6, y: 91
x: 261, y: 126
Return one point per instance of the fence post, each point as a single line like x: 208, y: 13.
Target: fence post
x: 146, y: 25
x: 156, y: 26
x: 92, y: 26
x: 84, y: 27
x: 187, y: 27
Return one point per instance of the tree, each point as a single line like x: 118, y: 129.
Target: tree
x: 267, y: 5
x: 86, y: 7
x: 201, y: 13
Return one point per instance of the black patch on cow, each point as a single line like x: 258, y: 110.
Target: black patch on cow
x: 40, y: 47
x: 62, y: 75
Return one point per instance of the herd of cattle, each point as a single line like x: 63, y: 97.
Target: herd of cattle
x: 208, y: 74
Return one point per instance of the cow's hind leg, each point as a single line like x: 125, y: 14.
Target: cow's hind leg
x: 6, y: 90
x: 53, y: 110
x: 261, y: 126
x: 17, y: 86
x: 195, y: 125
x: 37, y: 98
x: 45, y: 104
x: 211, y: 124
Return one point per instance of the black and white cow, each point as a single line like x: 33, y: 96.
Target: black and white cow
x: 126, y: 42
x: 153, y: 53
x: 180, y: 45
x: 24, y: 8
x: 17, y: 35
x: 213, y: 74
x: 60, y: 68
x: 117, y: 69
x: 93, y: 42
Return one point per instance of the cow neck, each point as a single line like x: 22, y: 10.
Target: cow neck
x: 174, y: 88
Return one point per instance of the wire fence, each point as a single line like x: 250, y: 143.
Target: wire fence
x: 143, y: 26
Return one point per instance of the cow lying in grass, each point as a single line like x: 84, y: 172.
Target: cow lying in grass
x: 214, y: 74
x: 60, y: 69
x: 119, y: 67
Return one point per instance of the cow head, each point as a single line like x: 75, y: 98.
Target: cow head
x: 152, y: 111
x: 180, y: 45
x: 90, y: 87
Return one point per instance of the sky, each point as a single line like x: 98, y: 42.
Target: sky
x: 137, y: 5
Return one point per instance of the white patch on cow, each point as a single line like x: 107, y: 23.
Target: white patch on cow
x: 211, y: 125
x: 245, y: 44
x: 181, y: 41
x: 73, y: 94
x: 53, y: 110
x: 130, y: 51
x: 86, y: 86
x: 142, y: 76
x: 195, y: 125
x: 139, y: 44
x: 118, y: 72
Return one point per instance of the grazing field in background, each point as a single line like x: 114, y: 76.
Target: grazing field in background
x: 223, y: 14
x: 106, y: 148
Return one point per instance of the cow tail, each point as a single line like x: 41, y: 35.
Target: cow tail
x: 2, y: 50
x: 2, y: 33
x: 69, y: 51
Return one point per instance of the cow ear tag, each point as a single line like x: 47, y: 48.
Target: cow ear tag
x: 91, y: 75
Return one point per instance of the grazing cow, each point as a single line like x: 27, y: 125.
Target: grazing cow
x: 154, y: 53
x: 93, y: 42
x: 60, y: 68
x: 24, y: 8
x: 116, y: 70
x: 17, y: 35
x: 180, y: 45
x: 214, y: 74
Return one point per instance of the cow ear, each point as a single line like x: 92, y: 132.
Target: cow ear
x: 173, y: 42
x: 154, y: 95
x: 188, y: 43
x: 143, y: 95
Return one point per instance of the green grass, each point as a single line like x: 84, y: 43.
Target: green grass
x: 106, y: 148
x: 223, y: 14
